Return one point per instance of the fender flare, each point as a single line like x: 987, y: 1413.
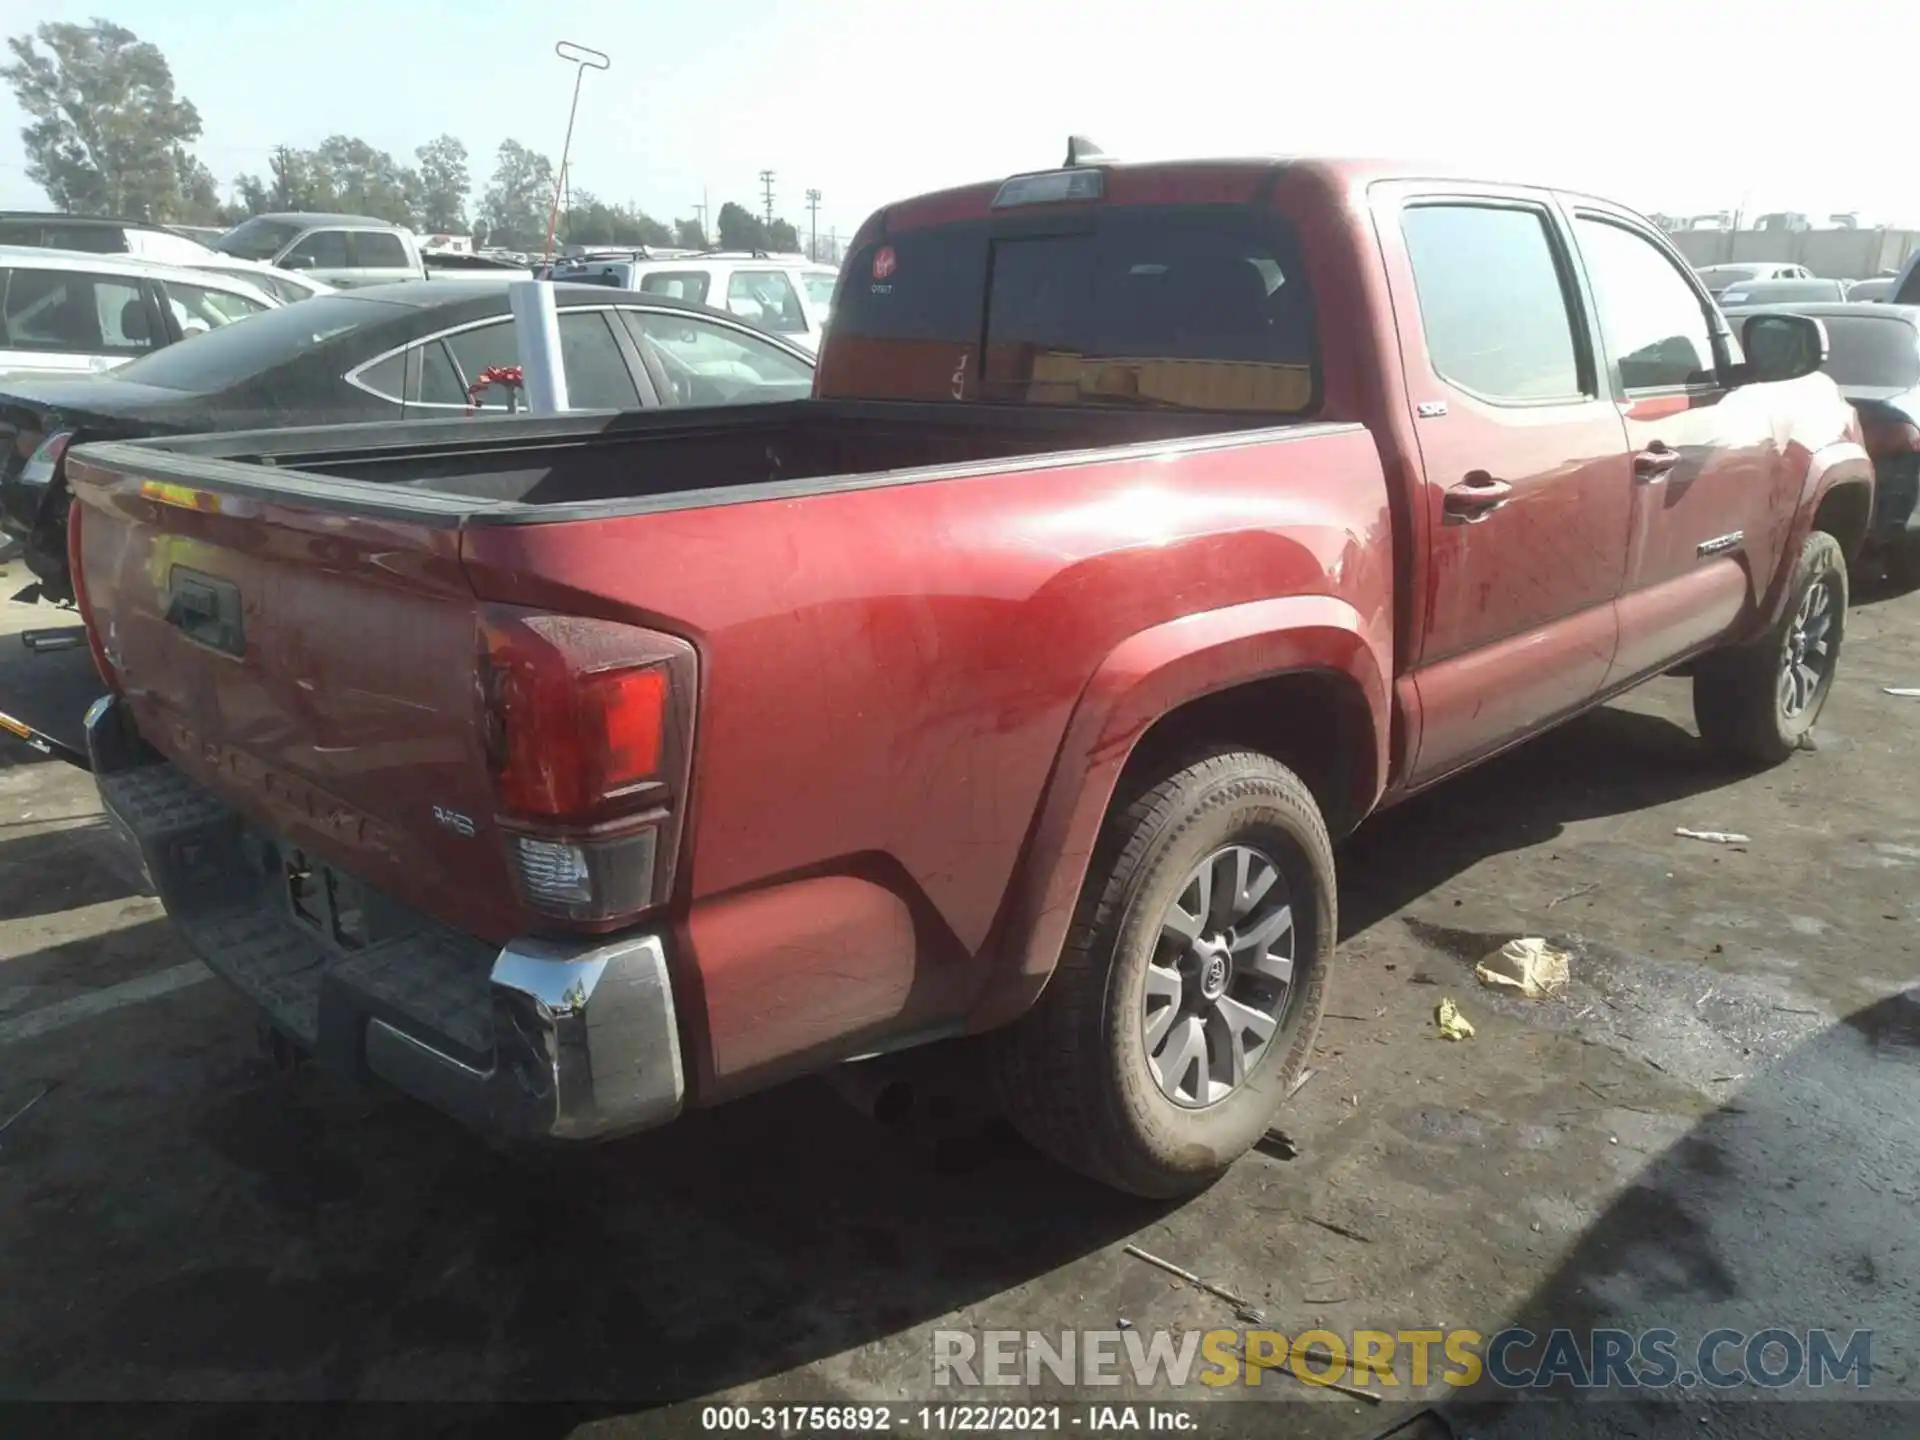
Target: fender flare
x: 1142, y: 679
x: 1844, y: 462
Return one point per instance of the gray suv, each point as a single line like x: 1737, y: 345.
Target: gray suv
x: 342, y: 250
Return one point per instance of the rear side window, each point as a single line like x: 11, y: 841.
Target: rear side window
x: 1201, y: 307
x: 1493, y: 301
x: 94, y: 239
x: 378, y: 250
x: 680, y: 284
x: 198, y: 309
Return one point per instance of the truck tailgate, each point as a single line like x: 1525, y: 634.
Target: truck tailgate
x: 312, y: 667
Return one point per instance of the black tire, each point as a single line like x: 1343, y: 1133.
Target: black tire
x: 1072, y: 1075
x: 1737, y: 699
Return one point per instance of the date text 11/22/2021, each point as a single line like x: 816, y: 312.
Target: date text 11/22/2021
x: 946, y: 1419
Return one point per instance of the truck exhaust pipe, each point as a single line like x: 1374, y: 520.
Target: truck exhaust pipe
x: 877, y: 1090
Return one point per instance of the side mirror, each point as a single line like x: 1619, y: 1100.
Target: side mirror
x: 1782, y: 347
x: 297, y: 262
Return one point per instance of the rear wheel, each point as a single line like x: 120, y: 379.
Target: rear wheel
x: 1759, y: 702
x: 1191, y: 987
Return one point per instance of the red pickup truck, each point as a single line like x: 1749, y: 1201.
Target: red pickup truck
x: 1150, y: 526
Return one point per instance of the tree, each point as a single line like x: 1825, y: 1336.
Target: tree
x: 516, y: 204
x: 444, y: 185
x: 105, y: 129
x: 781, y: 237
x: 740, y: 229
x: 366, y: 181
x: 688, y: 235
x: 250, y: 197
x: 297, y: 183
x: 591, y: 221
x: 199, y: 202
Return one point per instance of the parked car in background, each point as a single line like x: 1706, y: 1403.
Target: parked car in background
x: 1752, y: 294
x: 786, y: 294
x: 1150, y: 526
x: 453, y: 266
x: 1873, y: 355
x: 286, y: 286
x: 1906, y: 289
x: 201, y: 234
x: 77, y: 314
x: 388, y: 353
x: 96, y: 235
x: 344, y: 251
x: 1718, y: 277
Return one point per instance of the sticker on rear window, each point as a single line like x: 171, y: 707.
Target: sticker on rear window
x: 884, y: 262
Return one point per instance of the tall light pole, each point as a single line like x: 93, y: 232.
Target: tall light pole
x: 813, y: 224
x: 583, y: 60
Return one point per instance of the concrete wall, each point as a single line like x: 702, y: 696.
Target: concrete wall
x: 1834, y: 254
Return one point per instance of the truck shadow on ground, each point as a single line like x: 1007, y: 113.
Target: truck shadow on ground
x: 1607, y: 762
x: 367, y: 1248
x: 53, y: 870
x: 1788, y: 1207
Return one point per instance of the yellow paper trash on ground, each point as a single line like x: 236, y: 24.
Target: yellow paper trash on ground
x: 1453, y: 1025
x: 1530, y: 965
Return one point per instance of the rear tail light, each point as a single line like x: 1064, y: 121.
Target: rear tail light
x: 44, y: 463
x: 94, y: 643
x: 588, y: 727
x: 1887, y: 437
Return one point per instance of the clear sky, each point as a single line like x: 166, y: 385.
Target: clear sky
x: 1681, y: 105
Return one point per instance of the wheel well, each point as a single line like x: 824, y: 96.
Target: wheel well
x: 1845, y: 512
x: 1314, y: 722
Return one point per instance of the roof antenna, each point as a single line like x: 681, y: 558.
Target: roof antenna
x: 1082, y: 151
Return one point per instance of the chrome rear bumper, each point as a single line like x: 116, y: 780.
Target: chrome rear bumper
x: 537, y: 1040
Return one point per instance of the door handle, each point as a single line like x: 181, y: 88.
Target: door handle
x: 1655, y: 461
x: 1475, y: 498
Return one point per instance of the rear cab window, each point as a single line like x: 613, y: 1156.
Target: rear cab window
x: 1172, y: 305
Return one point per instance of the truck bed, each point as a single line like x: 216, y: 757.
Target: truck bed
x: 580, y: 465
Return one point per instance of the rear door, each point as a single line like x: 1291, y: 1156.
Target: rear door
x: 1527, y: 486
x: 379, y: 257
x: 323, y: 254
x: 1710, y: 513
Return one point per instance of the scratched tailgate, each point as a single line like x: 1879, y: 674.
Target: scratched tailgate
x: 308, y: 658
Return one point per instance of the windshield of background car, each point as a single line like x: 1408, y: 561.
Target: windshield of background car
x: 257, y: 239
x: 1194, y: 306
x: 1872, y: 350
x: 208, y: 364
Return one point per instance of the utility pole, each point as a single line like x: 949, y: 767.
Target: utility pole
x: 766, y: 186
x: 813, y: 225
x: 700, y: 215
